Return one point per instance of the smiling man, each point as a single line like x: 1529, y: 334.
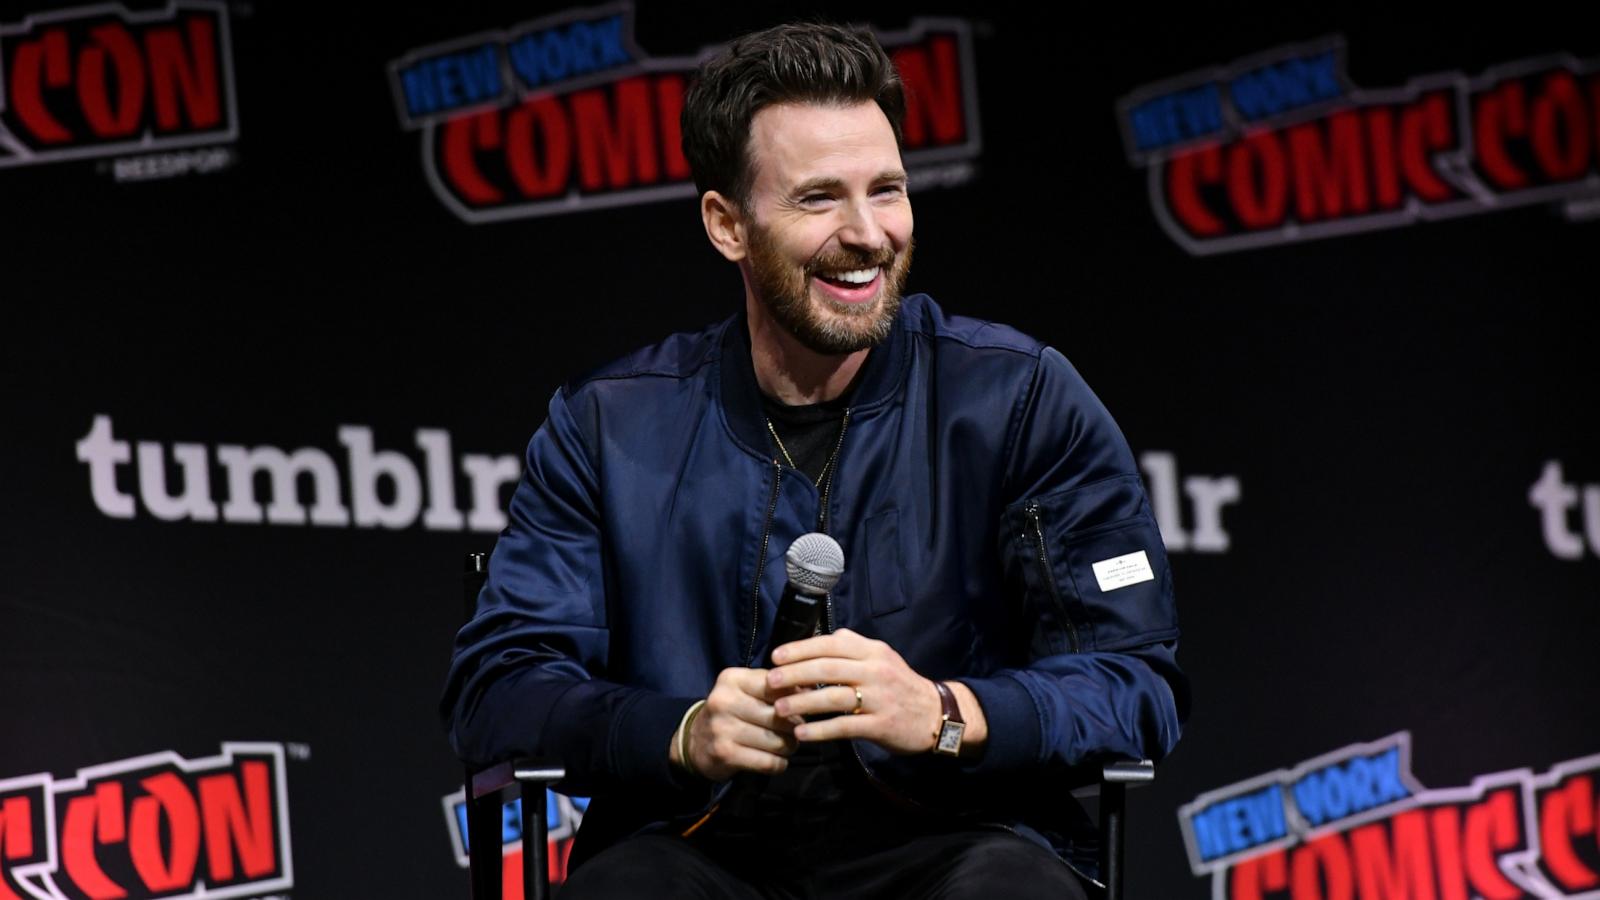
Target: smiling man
x: 1005, y: 619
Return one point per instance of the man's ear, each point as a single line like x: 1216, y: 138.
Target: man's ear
x: 724, y: 225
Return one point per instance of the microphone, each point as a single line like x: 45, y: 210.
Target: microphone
x: 814, y: 563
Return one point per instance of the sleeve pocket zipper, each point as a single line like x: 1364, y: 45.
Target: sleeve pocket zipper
x: 1032, y: 512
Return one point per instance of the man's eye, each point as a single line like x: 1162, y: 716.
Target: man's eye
x: 815, y: 198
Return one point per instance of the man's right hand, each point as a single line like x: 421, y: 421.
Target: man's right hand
x: 739, y: 730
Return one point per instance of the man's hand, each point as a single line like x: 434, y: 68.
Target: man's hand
x: 899, y: 708
x: 739, y: 730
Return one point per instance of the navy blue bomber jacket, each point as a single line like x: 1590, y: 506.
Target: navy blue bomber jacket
x: 979, y: 481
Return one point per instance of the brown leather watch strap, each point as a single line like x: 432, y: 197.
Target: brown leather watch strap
x: 947, y: 737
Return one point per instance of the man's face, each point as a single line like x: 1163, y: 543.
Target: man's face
x: 828, y: 223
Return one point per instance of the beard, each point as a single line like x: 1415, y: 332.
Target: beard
x: 820, y: 323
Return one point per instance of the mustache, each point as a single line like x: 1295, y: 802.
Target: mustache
x: 843, y: 260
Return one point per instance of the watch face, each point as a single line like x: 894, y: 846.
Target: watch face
x: 950, y: 738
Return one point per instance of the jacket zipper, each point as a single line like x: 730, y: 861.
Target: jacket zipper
x: 761, y: 565
x: 822, y: 510
x: 1032, y: 512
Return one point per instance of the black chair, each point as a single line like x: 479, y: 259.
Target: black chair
x: 489, y: 789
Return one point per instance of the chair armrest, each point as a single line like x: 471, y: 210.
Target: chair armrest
x: 501, y: 778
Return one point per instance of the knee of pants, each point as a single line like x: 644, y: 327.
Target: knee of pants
x: 1008, y: 866
x: 656, y: 866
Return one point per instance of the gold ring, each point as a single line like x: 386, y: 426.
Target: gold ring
x: 857, y: 710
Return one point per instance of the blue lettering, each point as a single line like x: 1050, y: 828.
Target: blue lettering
x: 1208, y: 833
x: 1286, y: 85
x: 480, y: 71
x: 418, y: 86
x: 553, y: 56
x: 511, y: 821
x: 568, y: 52
x: 1322, y: 74
x: 1240, y: 823
x: 1172, y: 118
x: 446, y: 82
x: 1308, y: 798
x: 1350, y: 787
x: 1202, y: 110
x: 608, y: 34
x: 1152, y: 122
x: 1388, y: 786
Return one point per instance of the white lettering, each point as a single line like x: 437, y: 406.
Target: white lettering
x: 285, y: 470
x: 1207, y: 496
x: 442, y: 514
x: 1554, y: 498
x: 488, y: 473
x: 103, y: 454
x: 195, y: 502
x: 366, y: 467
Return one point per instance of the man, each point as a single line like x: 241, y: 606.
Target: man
x: 1002, y: 563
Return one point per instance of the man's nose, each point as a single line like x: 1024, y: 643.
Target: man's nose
x: 861, y: 228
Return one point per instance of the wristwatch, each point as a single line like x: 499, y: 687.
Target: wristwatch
x: 947, y: 740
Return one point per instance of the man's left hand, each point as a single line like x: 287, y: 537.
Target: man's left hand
x: 899, y: 709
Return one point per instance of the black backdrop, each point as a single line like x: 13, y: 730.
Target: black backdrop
x: 1385, y: 401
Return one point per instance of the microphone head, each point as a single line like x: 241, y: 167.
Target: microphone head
x: 815, y: 562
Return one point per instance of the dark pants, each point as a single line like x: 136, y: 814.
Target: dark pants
x: 962, y: 864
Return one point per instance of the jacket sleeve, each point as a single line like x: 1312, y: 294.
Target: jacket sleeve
x: 528, y: 672
x: 1080, y: 546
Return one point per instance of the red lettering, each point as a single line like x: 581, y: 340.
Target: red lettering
x: 1253, y: 878
x: 1446, y: 823
x: 1258, y: 180
x: 194, y: 74
x: 232, y: 821
x: 624, y: 145
x: 1321, y: 870
x: 538, y: 130
x: 90, y: 819
x: 1561, y: 128
x: 1385, y: 176
x: 106, y: 120
x: 43, y: 60
x: 932, y: 80
x: 669, y: 103
x: 113, y: 76
x: 1404, y: 874
x: 16, y: 837
x: 168, y: 799
x: 511, y: 868
x: 1491, y: 829
x: 1564, y: 814
x: 1424, y: 131
x: 1185, y: 173
x: 461, y: 138
x: 1500, y: 114
x: 1330, y: 172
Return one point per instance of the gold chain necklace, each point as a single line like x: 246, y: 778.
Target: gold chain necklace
x: 822, y: 475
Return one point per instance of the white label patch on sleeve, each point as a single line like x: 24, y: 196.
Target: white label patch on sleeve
x: 1121, y: 571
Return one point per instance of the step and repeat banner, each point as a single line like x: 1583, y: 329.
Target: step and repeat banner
x: 288, y: 288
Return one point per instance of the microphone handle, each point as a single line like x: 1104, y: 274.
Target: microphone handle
x: 796, y: 619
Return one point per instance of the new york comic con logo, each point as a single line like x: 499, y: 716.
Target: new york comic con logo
x: 567, y: 113
x: 152, y: 826
x: 1356, y: 825
x: 1282, y: 147
x: 96, y: 81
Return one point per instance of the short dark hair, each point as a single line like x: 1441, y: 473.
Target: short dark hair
x: 801, y: 62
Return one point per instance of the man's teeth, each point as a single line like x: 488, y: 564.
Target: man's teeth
x: 859, y: 276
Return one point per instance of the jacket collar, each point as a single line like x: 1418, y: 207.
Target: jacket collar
x: 880, y: 379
